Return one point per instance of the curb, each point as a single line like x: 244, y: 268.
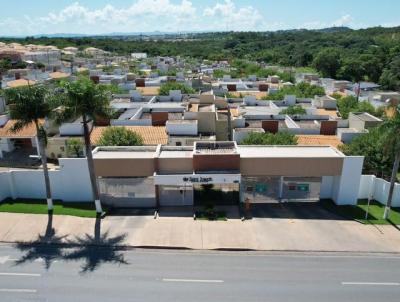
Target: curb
x: 182, y: 248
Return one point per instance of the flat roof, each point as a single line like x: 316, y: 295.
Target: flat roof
x: 288, y: 151
x: 124, y: 152
x: 244, y: 151
x: 176, y: 154
x: 366, y: 117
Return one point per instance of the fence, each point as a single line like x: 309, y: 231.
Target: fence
x: 378, y: 189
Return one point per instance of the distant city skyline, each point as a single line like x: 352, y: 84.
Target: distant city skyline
x: 27, y: 17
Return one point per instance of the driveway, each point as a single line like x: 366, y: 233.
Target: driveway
x: 293, y: 210
x: 287, y: 229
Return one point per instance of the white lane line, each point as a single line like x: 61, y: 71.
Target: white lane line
x: 20, y: 274
x: 372, y: 283
x: 5, y: 259
x: 17, y: 290
x: 192, y: 280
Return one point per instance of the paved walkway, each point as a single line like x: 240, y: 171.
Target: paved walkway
x: 184, y: 232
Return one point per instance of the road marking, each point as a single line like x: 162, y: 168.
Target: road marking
x: 372, y: 283
x: 17, y: 290
x: 192, y: 280
x: 5, y: 259
x: 20, y: 274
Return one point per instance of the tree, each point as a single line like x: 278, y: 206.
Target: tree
x: 165, y: 88
x: 74, y: 147
x: 280, y: 138
x: 391, y: 128
x: 327, y: 62
x: 29, y: 105
x: 5, y: 64
x: 39, y: 65
x: 294, y: 110
x: 353, y: 70
x: 378, y: 160
x: 372, y: 67
x: 390, y: 78
x: 120, y: 136
x: 350, y: 104
x: 301, y: 90
x: 86, y: 100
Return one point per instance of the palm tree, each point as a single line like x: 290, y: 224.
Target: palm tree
x: 29, y: 105
x: 391, y: 129
x: 86, y: 100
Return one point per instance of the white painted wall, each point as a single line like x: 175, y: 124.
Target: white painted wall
x: 326, y: 187
x: 182, y: 128
x: 70, y: 183
x: 379, y: 189
x: 75, y: 173
x: 346, y: 187
x: 73, y: 129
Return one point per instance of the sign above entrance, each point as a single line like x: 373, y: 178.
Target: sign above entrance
x: 198, y: 179
x: 193, y: 179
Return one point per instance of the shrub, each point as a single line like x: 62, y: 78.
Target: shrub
x: 165, y: 88
x: 120, y: 136
x: 280, y: 138
x: 294, y: 110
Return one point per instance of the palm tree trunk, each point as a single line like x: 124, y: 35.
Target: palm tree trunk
x: 392, y: 182
x: 89, y: 156
x: 43, y: 157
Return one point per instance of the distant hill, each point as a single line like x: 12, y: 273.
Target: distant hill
x: 335, y: 29
x: 159, y: 33
x: 341, y: 52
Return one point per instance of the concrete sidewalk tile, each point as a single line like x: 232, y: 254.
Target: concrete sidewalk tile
x: 184, y: 232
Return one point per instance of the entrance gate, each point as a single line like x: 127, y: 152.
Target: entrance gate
x: 275, y: 189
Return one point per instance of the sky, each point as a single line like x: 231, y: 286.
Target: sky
x: 30, y: 17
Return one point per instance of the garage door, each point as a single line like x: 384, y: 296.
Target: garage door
x: 301, y: 188
x: 261, y: 189
x: 175, y: 196
x: 128, y: 192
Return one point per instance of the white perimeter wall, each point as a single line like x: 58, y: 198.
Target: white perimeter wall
x: 70, y: 183
x: 347, y: 186
x: 378, y: 189
x: 344, y: 189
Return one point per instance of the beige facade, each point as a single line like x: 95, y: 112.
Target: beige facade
x: 171, y: 165
x: 302, y: 167
x: 249, y: 161
x: 166, y: 175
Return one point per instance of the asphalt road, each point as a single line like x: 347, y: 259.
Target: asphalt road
x: 37, y: 273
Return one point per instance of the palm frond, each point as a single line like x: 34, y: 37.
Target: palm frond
x: 19, y: 125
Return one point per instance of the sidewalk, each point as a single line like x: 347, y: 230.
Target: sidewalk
x: 184, y: 232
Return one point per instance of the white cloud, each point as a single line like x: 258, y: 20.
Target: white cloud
x: 141, y: 16
x: 344, y: 20
x: 227, y: 16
